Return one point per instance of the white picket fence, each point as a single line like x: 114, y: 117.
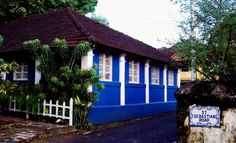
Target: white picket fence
x: 49, y: 109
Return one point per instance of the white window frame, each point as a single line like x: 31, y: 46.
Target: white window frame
x: 21, y: 72
x: 155, y: 75
x: 102, y: 66
x: 132, y: 71
x: 171, y: 77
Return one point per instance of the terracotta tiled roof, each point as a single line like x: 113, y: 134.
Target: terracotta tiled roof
x: 73, y: 27
x: 169, y: 51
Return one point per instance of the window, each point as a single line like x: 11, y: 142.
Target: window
x: 155, y: 75
x: 105, y: 67
x: 21, y: 73
x: 133, y: 72
x: 171, y: 77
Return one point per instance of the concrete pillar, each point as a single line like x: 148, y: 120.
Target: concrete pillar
x: 165, y: 82
x: 87, y: 62
x: 146, y: 73
x: 122, y: 79
x: 178, y: 77
x: 37, y: 76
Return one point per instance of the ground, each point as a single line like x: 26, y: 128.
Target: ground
x: 14, y: 129
x: 160, y: 128
x: 157, y: 129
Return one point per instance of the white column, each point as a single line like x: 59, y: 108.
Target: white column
x: 3, y: 75
x: 178, y: 77
x: 122, y: 79
x: 37, y: 75
x: 87, y: 62
x: 146, y: 73
x: 165, y: 82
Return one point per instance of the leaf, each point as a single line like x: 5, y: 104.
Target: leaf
x: 14, y: 9
x: 32, y: 44
x: 1, y: 40
x: 81, y: 49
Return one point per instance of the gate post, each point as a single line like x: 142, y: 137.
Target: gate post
x: 206, y: 112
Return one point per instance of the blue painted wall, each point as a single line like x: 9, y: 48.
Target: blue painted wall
x: 161, y: 75
x: 141, y: 72
x: 107, y: 109
x: 134, y: 93
x: 108, y: 114
x: 115, y: 68
x: 127, y: 70
x: 156, y: 93
x: 96, y: 61
x: 171, y: 93
x: 171, y: 89
x: 110, y: 95
x: 175, y: 77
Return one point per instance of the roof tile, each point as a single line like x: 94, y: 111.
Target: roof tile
x: 73, y: 27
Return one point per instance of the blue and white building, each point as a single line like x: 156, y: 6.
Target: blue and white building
x: 137, y: 78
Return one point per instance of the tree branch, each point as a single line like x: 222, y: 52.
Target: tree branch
x: 229, y: 41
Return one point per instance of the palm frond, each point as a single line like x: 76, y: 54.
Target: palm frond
x: 60, y: 48
x: 81, y: 49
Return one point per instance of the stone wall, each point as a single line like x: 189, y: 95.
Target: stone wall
x: 201, y: 93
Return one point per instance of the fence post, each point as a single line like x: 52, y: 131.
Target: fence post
x: 50, y: 108
x: 71, y: 113
x: 44, y: 107
x: 27, y: 107
x: 38, y: 106
x: 63, y: 110
x: 57, y: 108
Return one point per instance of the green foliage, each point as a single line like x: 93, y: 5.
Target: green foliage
x: 83, y: 99
x: 63, y: 77
x: 100, y: 19
x: 6, y: 86
x: 209, y: 37
x: 12, y: 9
x: 79, y: 51
x: 28, y: 94
x: 86, y: 6
x: 1, y: 40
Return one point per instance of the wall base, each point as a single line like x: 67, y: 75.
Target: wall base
x: 108, y: 114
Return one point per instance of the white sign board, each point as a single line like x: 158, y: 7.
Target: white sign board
x: 207, y: 116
